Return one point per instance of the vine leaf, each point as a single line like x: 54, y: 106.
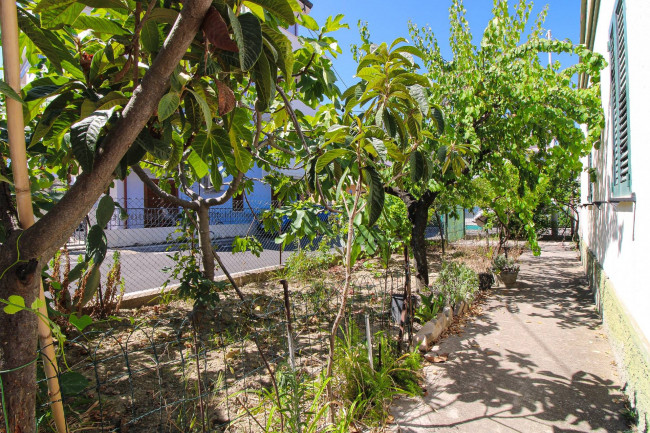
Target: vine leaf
x: 216, y: 30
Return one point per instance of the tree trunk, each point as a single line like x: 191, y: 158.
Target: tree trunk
x: 205, y: 243
x: 18, y: 350
x: 418, y: 216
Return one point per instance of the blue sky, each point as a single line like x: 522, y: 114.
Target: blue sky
x: 388, y: 20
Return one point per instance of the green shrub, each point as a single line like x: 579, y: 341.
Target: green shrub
x: 430, y: 305
x: 306, y: 264
x: 456, y: 282
x: 501, y: 263
x: 371, y: 391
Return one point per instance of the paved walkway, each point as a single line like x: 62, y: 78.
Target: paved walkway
x: 537, y: 360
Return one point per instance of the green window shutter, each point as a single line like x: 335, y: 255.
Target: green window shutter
x: 621, y: 176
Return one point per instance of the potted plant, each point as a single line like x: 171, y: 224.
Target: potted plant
x: 506, y: 269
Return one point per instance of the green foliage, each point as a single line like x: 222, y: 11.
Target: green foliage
x: 193, y: 283
x: 247, y: 243
x: 510, y: 119
x: 501, y: 263
x: 456, y: 282
x: 373, y: 390
x: 306, y: 265
x: 430, y: 305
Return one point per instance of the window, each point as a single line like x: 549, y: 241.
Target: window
x: 621, y: 176
x: 238, y: 202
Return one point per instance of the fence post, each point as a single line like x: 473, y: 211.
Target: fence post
x: 369, y: 340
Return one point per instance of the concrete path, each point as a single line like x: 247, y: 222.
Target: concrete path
x: 536, y: 360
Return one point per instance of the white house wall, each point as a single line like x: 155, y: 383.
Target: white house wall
x: 619, y: 235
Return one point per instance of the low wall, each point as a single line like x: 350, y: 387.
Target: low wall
x: 159, y: 235
x: 153, y: 296
x: 631, y: 348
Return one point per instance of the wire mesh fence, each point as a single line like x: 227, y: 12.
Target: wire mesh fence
x: 146, y: 239
x: 166, y: 371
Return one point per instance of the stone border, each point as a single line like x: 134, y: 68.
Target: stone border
x: 152, y: 296
x: 431, y: 331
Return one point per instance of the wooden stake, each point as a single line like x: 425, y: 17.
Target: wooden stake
x: 16, y: 131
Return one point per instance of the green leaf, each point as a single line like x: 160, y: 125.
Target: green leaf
x: 150, y: 36
x: 163, y: 15
x: 4, y: 179
x: 248, y: 35
x: 199, y: 166
x: 105, y: 210
x: 168, y: 105
x: 158, y: 148
x: 49, y: 44
x: 37, y: 304
x: 419, y: 94
x: 284, y: 48
x: 80, y: 323
x: 205, y: 108
x: 418, y: 165
x: 92, y: 283
x: 96, y: 245
x: 438, y: 117
x: 16, y: 304
x: 99, y: 25
x: 376, y: 195
x: 50, y: 115
x: 243, y: 157
x: 263, y: 84
x: 6, y: 90
x: 84, y: 135
x: 77, y: 271
x: 330, y: 156
x: 280, y: 8
x: 66, y: 14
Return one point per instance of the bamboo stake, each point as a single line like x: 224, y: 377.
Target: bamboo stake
x: 16, y: 131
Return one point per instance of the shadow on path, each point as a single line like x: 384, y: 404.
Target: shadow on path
x: 534, y: 361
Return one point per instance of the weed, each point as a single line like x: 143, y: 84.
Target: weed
x: 372, y: 390
x: 456, y: 282
x: 431, y: 304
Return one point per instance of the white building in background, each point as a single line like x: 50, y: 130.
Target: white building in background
x: 615, y: 211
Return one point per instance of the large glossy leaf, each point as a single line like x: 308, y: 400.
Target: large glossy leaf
x: 376, y: 195
x: 163, y: 15
x: 96, y: 245
x: 92, y: 283
x: 330, y: 156
x: 50, y: 115
x: 216, y: 30
x: 263, y: 84
x: 6, y: 90
x: 248, y: 35
x: 205, y: 108
x: 416, y: 160
x: 150, y: 36
x: 49, y: 44
x: 99, y: 25
x: 419, y: 95
x: 156, y: 147
x: 436, y: 112
x: 57, y: 17
x: 199, y: 166
x: 215, y: 144
x: 84, y: 135
x: 243, y: 157
x: 283, y: 46
x: 167, y: 105
x: 280, y: 8
x: 105, y: 209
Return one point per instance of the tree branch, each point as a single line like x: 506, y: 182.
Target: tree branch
x: 51, y: 231
x: 223, y: 198
x: 160, y: 193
